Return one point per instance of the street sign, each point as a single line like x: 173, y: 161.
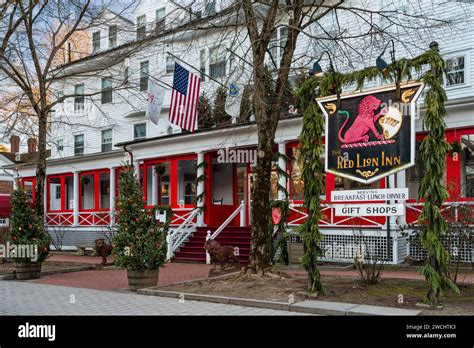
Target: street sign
x: 370, y: 134
x: 400, y: 194
x: 369, y: 209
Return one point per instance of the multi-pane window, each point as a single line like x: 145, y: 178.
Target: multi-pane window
x: 160, y: 19
x: 96, y: 42
x: 467, y: 166
x: 112, y: 36
x: 144, y: 68
x: 79, y: 97
x: 141, y: 27
x: 106, y: 140
x: 277, y: 44
x: 60, y: 145
x: 169, y: 65
x: 296, y: 177
x: 139, y: 131
x: 455, y: 71
x: 79, y: 145
x: 106, y: 94
x: 202, y: 63
x: 217, y: 62
x: 210, y: 7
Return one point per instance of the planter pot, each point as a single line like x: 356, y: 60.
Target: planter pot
x: 142, y: 279
x: 30, y: 270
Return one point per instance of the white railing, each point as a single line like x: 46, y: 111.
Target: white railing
x: 99, y: 218
x: 330, y: 221
x: 176, y: 237
x: 59, y: 218
x: 180, y: 219
x: 417, y: 207
x: 240, y: 209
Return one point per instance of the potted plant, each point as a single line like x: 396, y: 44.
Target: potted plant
x: 29, y: 242
x: 140, y: 242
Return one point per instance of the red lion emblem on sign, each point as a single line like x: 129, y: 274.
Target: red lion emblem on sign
x: 364, y: 122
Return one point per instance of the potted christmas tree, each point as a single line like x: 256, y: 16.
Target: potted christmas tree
x: 28, y: 239
x: 140, y: 242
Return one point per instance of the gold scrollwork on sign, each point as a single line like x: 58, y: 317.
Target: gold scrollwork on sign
x: 407, y: 94
x: 367, y: 173
x: 331, y: 107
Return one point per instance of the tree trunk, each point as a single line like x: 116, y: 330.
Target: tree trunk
x: 261, y: 235
x: 41, y: 164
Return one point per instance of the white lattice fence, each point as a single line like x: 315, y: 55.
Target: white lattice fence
x: 463, y: 250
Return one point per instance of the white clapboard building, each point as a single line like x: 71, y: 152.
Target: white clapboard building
x: 94, y: 134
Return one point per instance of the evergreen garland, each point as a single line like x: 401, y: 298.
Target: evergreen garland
x: 432, y: 154
x: 27, y: 228
x: 140, y: 242
x: 282, y: 241
x: 433, y: 150
x: 311, y: 149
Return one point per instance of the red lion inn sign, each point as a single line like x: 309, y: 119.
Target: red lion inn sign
x: 371, y: 134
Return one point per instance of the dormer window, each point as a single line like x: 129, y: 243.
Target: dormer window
x: 160, y: 19
x: 96, y: 42
x: 141, y: 27
x: 112, y: 36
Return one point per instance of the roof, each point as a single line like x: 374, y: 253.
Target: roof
x: 198, y: 131
x: 25, y: 158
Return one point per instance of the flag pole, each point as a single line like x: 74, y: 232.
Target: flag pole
x: 201, y: 72
x: 240, y: 57
x: 154, y: 78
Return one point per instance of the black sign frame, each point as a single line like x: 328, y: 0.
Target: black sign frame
x: 366, y: 143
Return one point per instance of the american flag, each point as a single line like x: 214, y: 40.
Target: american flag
x: 184, y: 98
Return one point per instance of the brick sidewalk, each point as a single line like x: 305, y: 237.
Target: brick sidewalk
x: 113, y: 279
x: 80, y: 259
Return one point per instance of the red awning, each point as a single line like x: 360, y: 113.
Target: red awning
x: 5, y: 206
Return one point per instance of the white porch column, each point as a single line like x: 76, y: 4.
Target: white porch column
x: 282, y: 164
x: 200, y: 189
x: 402, y: 183
x: 154, y: 187
x: 112, y: 196
x: 76, y: 198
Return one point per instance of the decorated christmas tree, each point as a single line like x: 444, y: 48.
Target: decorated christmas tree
x: 140, y: 241
x: 27, y: 229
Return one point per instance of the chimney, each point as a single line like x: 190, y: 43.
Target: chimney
x: 14, y: 144
x: 31, y: 145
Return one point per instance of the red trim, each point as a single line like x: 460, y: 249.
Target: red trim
x: 96, y: 179
x: 62, y: 181
x: 173, y: 161
x: 31, y: 179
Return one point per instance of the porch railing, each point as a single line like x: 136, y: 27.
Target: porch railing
x: 59, y: 219
x: 416, y: 208
x: 330, y: 220
x: 176, y: 237
x: 240, y: 210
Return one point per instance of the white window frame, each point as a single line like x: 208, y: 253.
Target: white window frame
x: 114, y: 37
x: 169, y: 65
x: 83, y: 144
x: 467, y: 67
x: 102, y: 143
x: 160, y: 21
x: 140, y: 26
x: 60, y: 147
x: 79, y: 99
x: 221, y: 52
x: 94, y: 49
x: 137, y: 124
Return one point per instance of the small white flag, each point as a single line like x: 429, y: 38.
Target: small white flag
x: 233, y: 101
x: 156, y: 95
x: 240, y: 77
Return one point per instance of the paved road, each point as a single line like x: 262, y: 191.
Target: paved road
x: 22, y: 298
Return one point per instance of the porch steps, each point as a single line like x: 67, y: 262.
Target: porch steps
x: 193, y: 248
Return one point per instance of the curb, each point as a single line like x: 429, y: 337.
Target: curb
x: 308, y: 307
x: 52, y: 272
